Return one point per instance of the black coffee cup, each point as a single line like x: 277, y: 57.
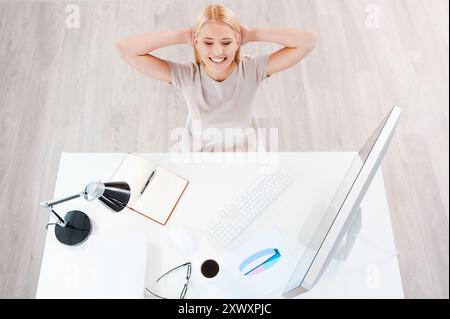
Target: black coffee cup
x: 209, y: 268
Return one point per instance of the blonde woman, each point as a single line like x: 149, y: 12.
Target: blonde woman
x: 220, y: 85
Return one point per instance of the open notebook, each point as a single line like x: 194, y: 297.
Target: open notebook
x: 155, y: 191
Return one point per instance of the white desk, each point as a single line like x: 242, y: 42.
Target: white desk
x: 216, y: 179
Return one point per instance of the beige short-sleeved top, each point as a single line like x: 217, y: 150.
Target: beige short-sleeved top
x: 219, y: 105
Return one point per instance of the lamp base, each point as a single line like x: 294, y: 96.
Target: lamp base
x: 77, y: 229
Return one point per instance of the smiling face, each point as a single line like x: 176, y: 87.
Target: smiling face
x: 217, y: 44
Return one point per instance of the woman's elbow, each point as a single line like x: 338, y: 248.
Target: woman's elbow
x: 312, y: 40
x: 120, y: 47
x: 123, y: 48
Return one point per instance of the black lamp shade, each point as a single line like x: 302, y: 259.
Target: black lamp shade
x: 116, y: 195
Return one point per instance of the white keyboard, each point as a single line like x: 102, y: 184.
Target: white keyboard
x: 235, y: 217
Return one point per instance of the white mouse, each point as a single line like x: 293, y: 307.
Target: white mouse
x: 181, y: 240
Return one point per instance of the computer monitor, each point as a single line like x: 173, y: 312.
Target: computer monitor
x: 343, y: 216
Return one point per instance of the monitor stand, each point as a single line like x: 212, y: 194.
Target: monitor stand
x: 351, y: 235
x: 353, y: 230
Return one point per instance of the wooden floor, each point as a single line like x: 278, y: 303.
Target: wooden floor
x: 66, y: 90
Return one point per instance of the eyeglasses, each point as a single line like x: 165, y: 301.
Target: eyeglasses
x: 185, y: 287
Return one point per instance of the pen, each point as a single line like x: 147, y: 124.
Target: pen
x: 148, y: 181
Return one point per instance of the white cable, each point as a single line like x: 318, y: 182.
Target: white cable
x: 395, y: 252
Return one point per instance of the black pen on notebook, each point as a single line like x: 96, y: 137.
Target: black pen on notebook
x: 148, y: 181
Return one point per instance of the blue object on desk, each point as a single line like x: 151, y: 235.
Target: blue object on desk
x: 273, y: 257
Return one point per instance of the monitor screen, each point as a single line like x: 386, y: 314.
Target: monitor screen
x: 333, y: 210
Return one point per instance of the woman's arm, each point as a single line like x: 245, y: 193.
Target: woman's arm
x: 297, y: 45
x: 134, y: 51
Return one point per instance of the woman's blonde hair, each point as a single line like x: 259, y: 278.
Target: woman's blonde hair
x: 219, y: 13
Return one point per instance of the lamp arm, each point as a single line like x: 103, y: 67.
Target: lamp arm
x: 60, y: 200
x: 50, y: 204
x: 59, y: 220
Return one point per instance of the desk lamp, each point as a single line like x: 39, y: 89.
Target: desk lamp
x: 75, y: 227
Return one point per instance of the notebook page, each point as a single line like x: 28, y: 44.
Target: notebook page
x: 161, y: 195
x: 135, y: 171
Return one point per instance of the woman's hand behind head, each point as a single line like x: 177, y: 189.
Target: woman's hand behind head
x: 189, y: 36
x: 245, y: 34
